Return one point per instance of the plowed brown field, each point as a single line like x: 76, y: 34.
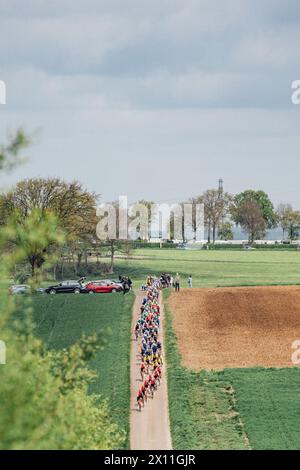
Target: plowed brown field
x: 236, y: 327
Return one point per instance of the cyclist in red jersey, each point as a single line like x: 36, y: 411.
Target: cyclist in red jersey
x: 139, y: 399
x: 143, y: 370
x: 157, y: 376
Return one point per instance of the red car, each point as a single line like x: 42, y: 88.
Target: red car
x: 95, y: 287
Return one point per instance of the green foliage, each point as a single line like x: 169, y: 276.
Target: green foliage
x: 21, y: 273
x: 263, y: 201
x: 73, y: 208
x: 268, y: 402
x: 289, y: 220
x: 70, y: 364
x: 225, y: 232
x: 9, y: 154
x: 216, y: 205
x: 261, y: 247
x: 141, y: 244
x: 31, y: 238
x: 34, y: 414
x: 44, y: 395
x: 62, y: 320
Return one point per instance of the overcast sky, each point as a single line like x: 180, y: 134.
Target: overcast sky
x: 155, y: 99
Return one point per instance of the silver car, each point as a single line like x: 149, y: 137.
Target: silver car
x: 19, y: 289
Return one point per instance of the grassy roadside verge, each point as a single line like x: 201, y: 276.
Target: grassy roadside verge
x: 61, y: 320
x: 201, y: 405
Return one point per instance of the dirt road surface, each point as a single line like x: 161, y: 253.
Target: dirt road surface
x: 150, y: 428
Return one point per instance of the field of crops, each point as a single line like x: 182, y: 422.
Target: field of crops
x: 268, y: 402
x: 62, y: 319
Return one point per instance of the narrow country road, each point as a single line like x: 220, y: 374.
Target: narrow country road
x: 150, y: 428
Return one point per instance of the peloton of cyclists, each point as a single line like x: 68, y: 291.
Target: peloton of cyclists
x: 147, y: 328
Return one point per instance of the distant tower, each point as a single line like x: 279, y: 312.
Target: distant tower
x: 220, y: 187
x: 220, y: 190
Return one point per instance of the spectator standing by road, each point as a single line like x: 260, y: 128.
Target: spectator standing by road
x: 190, y: 281
x: 177, y: 282
x: 125, y: 284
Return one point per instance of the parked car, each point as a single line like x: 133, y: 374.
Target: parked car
x: 66, y: 287
x: 23, y: 289
x: 40, y: 290
x: 182, y: 246
x: 114, y: 281
x: 19, y: 289
x: 95, y: 287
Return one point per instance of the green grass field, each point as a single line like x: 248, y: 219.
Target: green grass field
x: 62, y: 319
x: 254, y: 408
x: 216, y: 268
x: 233, y: 409
x: 268, y: 402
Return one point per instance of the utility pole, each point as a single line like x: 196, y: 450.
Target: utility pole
x: 221, y: 191
x: 220, y: 187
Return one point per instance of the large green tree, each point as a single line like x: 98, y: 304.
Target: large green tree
x: 216, y: 205
x: 24, y: 243
x: 250, y: 218
x: 292, y: 223
x: 73, y: 207
x: 283, y: 213
x: 261, y: 199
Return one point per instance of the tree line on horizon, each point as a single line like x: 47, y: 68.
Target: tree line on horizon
x: 71, y: 209
x: 252, y: 210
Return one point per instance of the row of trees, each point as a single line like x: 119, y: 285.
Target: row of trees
x: 252, y: 210
x: 74, y: 209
